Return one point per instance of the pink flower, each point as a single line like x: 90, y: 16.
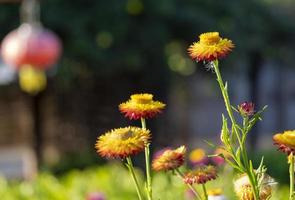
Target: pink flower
x: 95, y: 196
x: 246, y: 108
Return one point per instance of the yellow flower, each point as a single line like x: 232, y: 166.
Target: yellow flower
x: 169, y: 159
x: 122, y: 142
x: 285, y: 141
x: 244, y: 191
x: 201, y: 175
x: 141, y: 106
x: 198, y: 156
x: 215, y: 192
x: 210, y: 47
x: 32, y: 80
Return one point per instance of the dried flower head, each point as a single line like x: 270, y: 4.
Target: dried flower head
x: 201, y: 175
x: 244, y: 191
x: 141, y: 106
x: 285, y: 141
x: 198, y: 157
x: 169, y: 159
x: 246, y: 108
x: 210, y: 47
x: 122, y: 142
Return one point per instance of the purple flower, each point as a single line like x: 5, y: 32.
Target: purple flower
x: 95, y: 196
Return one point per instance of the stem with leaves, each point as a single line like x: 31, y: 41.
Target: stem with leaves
x: 205, y: 192
x: 291, y: 171
x: 129, y: 165
x: 235, y: 142
x: 180, y: 175
x: 147, y: 165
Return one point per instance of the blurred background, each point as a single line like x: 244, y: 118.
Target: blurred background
x: 112, y: 49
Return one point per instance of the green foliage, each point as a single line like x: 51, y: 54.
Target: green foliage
x: 114, y: 181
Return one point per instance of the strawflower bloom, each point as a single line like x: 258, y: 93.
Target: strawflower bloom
x: 122, y: 142
x: 216, y: 194
x: 247, y: 108
x: 141, y: 106
x: 198, y: 157
x: 201, y: 175
x: 244, y: 191
x: 169, y: 159
x: 285, y: 141
x: 210, y: 47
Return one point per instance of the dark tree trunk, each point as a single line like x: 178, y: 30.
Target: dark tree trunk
x: 37, y: 126
x: 253, y: 74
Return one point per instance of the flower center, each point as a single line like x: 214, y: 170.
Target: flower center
x: 126, y: 135
x: 209, y: 38
x: 142, y: 98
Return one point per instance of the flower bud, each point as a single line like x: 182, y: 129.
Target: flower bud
x: 246, y: 108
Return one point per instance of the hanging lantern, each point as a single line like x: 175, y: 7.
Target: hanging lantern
x: 31, y: 45
x: 32, y: 80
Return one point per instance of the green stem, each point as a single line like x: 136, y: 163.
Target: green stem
x: 205, y: 191
x: 131, y: 170
x: 226, y: 100
x: 147, y: 164
x: 180, y: 175
x: 241, y: 142
x: 291, y: 171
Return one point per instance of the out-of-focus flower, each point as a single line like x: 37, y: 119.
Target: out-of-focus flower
x: 247, y: 108
x: 201, y: 175
x: 141, y: 106
x: 122, y: 142
x: 95, y: 196
x: 32, y: 80
x: 244, y: 191
x: 285, y: 141
x: 216, y: 194
x: 169, y: 159
x: 218, y: 160
x: 210, y: 47
x: 198, y: 157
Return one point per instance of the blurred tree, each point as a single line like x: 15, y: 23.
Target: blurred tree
x: 114, y: 47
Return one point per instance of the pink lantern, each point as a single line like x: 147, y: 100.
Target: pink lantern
x: 31, y: 45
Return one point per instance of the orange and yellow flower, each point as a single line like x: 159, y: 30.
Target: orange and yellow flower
x: 141, y: 106
x: 244, y: 191
x: 201, y: 175
x: 122, y: 142
x: 210, y: 47
x: 198, y: 157
x: 285, y: 141
x: 169, y: 159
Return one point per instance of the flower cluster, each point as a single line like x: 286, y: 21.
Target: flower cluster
x: 285, y: 141
x: 122, y: 142
x: 210, y: 47
x: 169, y: 159
x: 244, y: 191
x: 201, y: 175
x: 141, y: 106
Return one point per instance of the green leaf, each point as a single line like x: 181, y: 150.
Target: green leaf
x: 210, y: 144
